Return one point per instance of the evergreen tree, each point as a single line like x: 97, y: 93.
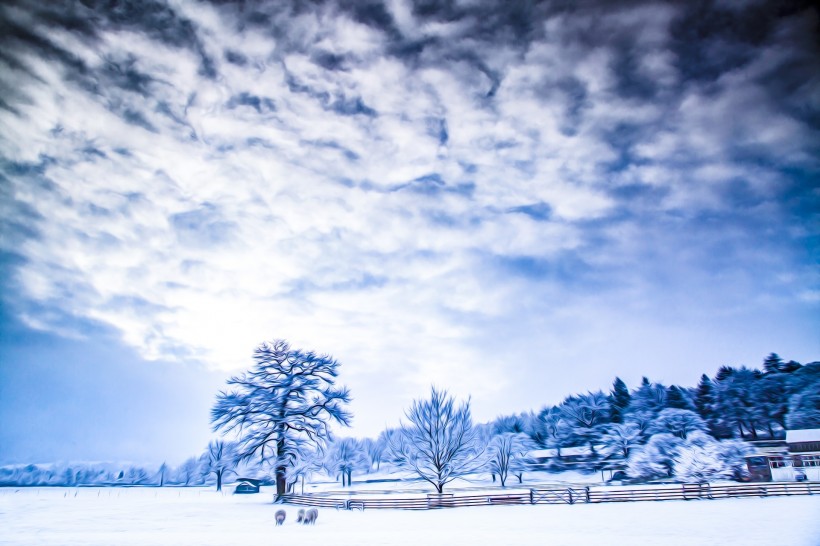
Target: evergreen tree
x: 723, y: 373
x: 676, y: 398
x: 619, y: 399
x: 790, y: 366
x: 804, y: 410
x: 737, y: 402
x: 705, y: 397
x: 773, y: 398
x: 772, y: 363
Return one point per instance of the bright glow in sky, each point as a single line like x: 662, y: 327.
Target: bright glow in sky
x: 511, y: 202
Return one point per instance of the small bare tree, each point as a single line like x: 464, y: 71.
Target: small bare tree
x: 439, y: 443
x: 346, y: 456
x: 219, y: 459
x: 506, y: 455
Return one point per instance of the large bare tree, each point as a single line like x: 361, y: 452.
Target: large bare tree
x: 439, y: 443
x: 282, y: 405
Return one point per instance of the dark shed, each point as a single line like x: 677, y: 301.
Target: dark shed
x: 247, y: 485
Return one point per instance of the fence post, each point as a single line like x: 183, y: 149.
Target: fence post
x: 569, y: 491
x: 587, y: 493
x: 532, y: 497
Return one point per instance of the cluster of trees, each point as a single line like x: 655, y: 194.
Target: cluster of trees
x: 284, y: 405
x: 202, y: 470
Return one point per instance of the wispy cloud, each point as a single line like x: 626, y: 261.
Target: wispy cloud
x: 398, y: 183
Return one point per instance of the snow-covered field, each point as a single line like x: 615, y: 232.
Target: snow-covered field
x: 181, y: 516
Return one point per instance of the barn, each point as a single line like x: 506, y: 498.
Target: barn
x: 797, y: 460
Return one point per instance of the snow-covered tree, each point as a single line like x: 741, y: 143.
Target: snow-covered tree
x: 346, y: 456
x: 189, y: 472
x: 772, y: 395
x: 136, y: 475
x: 283, y: 404
x: 620, y: 438
x: 506, y: 454
x: 702, y: 458
x: 619, y: 399
x: 705, y: 398
x: 389, y: 438
x: 556, y: 430
x: 772, y: 363
x: 374, y: 449
x: 678, y: 422
x: 804, y: 410
x: 656, y: 459
x: 162, y: 473
x: 585, y: 414
x: 307, y: 462
x: 678, y: 398
x: 701, y: 463
x: 219, y: 459
x: 734, y: 453
x: 439, y: 442
x: 736, y: 400
x: 641, y: 418
x: 648, y: 397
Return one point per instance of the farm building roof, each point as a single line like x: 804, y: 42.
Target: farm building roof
x: 803, y: 435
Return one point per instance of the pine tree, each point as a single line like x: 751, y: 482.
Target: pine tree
x: 772, y: 363
x: 724, y: 372
x: 619, y: 399
x: 675, y: 398
x: 705, y: 397
x: 790, y: 366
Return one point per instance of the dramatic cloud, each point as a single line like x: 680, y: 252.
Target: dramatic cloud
x: 468, y: 193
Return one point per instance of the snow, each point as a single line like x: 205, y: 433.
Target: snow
x: 803, y: 435
x: 148, y: 516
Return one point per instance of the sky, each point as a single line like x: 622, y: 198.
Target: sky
x: 514, y: 201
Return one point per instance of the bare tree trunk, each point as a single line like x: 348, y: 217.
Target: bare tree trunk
x: 281, y: 484
x: 219, y: 481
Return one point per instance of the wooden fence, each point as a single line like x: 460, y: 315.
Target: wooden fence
x: 553, y: 495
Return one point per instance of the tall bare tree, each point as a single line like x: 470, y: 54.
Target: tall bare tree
x: 284, y: 404
x: 507, y: 453
x: 439, y: 443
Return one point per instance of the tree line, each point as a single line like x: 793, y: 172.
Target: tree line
x: 275, y: 424
x: 280, y: 412
x: 217, y: 461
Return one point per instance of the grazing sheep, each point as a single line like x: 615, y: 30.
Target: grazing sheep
x: 300, y: 515
x: 280, y: 517
x: 310, y: 516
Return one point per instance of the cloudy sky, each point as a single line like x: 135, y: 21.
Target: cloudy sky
x: 512, y: 200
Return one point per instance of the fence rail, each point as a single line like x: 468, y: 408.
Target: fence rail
x: 557, y: 495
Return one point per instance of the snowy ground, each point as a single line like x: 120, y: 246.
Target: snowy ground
x: 149, y: 516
